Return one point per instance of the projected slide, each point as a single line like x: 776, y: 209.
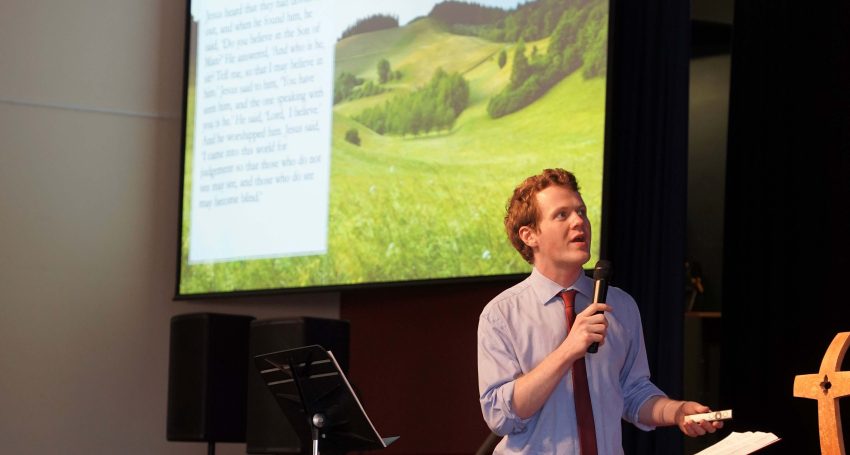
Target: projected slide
x: 340, y: 143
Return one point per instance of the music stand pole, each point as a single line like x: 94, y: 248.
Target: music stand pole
x: 317, y: 420
x: 316, y: 423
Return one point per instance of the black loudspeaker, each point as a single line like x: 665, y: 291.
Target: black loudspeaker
x: 268, y: 430
x: 206, y: 377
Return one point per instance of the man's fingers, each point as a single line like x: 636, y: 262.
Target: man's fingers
x: 702, y: 427
x: 693, y: 429
x: 593, y: 319
x: 598, y: 332
x: 591, y: 327
x: 711, y: 427
x: 594, y: 308
x: 701, y: 408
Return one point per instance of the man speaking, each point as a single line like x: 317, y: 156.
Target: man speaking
x: 538, y: 386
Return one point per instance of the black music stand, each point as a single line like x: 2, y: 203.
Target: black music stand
x: 318, y: 401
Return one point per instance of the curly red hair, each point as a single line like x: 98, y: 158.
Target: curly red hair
x: 522, y: 209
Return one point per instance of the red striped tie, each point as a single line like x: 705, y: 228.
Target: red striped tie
x: 584, y: 409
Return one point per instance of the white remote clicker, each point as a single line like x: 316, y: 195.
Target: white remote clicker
x: 710, y: 416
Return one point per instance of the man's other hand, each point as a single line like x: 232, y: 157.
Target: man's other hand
x: 694, y: 429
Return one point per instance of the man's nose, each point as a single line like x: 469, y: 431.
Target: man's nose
x: 576, y: 220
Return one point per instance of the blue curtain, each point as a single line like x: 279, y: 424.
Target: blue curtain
x: 646, y: 186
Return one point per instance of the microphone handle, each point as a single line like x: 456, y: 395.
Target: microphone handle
x: 600, y: 294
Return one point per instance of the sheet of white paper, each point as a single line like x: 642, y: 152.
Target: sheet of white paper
x: 740, y: 443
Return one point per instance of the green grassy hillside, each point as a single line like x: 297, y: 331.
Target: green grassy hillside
x: 396, y: 195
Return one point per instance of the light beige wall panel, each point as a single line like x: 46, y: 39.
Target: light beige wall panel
x: 88, y: 209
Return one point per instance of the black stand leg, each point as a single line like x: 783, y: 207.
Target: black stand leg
x: 210, y: 448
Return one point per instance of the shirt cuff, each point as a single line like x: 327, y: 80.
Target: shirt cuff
x: 516, y: 424
x: 636, y: 417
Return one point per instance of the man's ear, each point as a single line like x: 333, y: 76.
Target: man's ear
x: 528, y: 236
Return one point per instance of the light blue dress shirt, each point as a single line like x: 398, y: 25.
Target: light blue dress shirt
x: 524, y: 324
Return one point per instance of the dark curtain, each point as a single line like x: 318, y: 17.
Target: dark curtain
x: 647, y: 181
x: 787, y: 233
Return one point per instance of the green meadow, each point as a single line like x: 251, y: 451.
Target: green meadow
x: 430, y: 206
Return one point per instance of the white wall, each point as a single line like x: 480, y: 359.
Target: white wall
x: 90, y: 99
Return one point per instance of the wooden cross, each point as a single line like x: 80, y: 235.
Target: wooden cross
x: 827, y: 386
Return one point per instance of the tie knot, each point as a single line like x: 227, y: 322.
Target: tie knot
x: 569, y: 297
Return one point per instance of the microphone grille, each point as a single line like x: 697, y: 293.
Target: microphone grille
x: 602, y: 271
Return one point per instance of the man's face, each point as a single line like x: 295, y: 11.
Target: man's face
x: 562, y: 239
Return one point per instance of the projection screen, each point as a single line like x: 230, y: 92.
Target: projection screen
x: 334, y: 144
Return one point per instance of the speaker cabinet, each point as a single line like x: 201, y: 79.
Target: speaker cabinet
x: 268, y: 431
x: 206, y: 377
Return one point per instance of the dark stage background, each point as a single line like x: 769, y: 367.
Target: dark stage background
x: 787, y: 234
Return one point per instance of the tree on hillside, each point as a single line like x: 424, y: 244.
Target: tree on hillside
x: 371, y: 24
x: 566, y: 32
x: 503, y: 58
x: 352, y: 136
x: 530, y: 20
x: 432, y: 107
x: 510, y: 28
x: 530, y: 33
x: 344, y: 86
x: 384, y: 71
x: 350, y: 87
x: 594, y: 41
x: 521, y: 67
x: 454, y: 12
x: 550, y: 19
x: 580, y: 38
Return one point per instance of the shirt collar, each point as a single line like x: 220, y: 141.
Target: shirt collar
x: 546, y: 290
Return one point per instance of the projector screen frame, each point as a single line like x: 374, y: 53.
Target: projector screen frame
x: 601, y: 233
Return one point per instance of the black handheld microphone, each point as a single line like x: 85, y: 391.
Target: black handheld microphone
x: 602, y: 274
